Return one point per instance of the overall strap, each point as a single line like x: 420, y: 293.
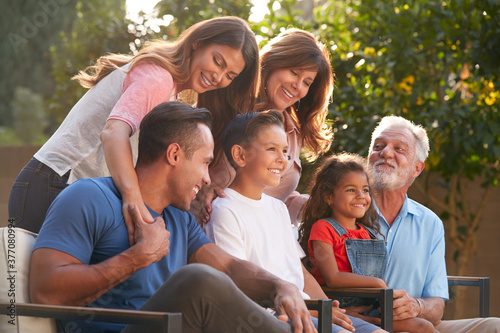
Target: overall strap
x: 340, y: 230
x: 370, y: 231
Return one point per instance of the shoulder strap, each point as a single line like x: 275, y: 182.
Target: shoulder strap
x: 370, y: 231
x: 340, y: 230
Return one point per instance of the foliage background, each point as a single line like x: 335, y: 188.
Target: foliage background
x: 434, y: 62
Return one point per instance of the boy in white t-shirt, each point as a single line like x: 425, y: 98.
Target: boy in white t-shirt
x: 256, y: 227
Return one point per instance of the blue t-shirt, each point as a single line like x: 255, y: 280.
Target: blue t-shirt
x: 86, y: 222
x: 415, y: 251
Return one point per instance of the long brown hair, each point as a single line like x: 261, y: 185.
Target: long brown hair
x: 326, y: 179
x: 295, y: 48
x: 175, y: 57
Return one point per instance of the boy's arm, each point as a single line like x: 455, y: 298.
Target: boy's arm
x: 59, y: 278
x: 313, y: 289
x: 311, y: 286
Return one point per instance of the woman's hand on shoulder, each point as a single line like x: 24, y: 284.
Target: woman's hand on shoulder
x: 204, y: 199
x: 144, y: 213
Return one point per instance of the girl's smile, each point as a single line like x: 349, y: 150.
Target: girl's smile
x: 351, y: 199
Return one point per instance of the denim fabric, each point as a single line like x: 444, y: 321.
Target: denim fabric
x: 33, y: 191
x: 367, y: 257
x: 359, y: 324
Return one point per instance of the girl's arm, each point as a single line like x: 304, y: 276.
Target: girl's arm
x: 325, y: 259
x: 118, y: 154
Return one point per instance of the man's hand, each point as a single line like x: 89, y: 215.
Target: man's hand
x: 205, y: 196
x: 289, y: 304
x: 152, y: 239
x: 405, y: 305
x: 357, y: 311
x: 339, y: 318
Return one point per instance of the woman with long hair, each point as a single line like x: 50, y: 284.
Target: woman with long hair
x: 217, y: 58
x: 297, y: 80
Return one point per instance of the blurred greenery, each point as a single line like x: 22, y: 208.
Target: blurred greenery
x: 29, y: 116
x: 185, y: 13
x: 99, y: 27
x: 436, y: 63
x: 28, y: 28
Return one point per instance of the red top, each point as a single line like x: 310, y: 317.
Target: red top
x: 323, y: 231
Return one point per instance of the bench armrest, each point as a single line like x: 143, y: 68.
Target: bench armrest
x: 170, y: 321
x: 483, y: 283
x: 385, y: 297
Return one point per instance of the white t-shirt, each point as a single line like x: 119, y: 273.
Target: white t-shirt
x: 259, y: 231
x: 76, y: 145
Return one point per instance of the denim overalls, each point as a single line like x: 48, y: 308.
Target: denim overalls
x: 367, y: 257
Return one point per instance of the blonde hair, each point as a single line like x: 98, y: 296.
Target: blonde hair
x: 295, y: 48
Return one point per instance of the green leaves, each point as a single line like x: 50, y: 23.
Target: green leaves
x: 99, y: 27
x: 422, y: 60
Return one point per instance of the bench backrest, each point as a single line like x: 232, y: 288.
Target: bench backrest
x: 16, y: 246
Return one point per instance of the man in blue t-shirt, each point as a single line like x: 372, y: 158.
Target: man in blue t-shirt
x: 83, y: 257
x: 416, y: 267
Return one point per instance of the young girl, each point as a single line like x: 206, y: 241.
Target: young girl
x: 217, y: 58
x: 339, y: 232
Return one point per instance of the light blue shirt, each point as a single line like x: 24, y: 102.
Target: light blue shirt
x: 415, y: 249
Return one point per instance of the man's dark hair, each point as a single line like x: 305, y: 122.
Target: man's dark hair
x: 168, y: 123
x: 243, y: 129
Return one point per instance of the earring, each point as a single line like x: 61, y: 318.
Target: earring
x: 297, y: 105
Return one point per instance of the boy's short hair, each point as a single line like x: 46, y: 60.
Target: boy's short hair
x: 243, y: 129
x: 167, y: 123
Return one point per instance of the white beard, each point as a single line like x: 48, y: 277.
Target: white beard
x: 386, y: 178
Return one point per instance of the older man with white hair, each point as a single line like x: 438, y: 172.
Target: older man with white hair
x: 416, y: 267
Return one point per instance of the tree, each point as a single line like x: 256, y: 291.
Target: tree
x: 29, y: 116
x: 28, y: 28
x: 188, y: 12
x: 100, y: 27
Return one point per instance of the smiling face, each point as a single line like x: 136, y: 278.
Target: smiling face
x: 265, y: 160
x: 351, y: 198
x: 286, y: 86
x: 214, y: 66
x: 392, y: 159
x: 192, y: 173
